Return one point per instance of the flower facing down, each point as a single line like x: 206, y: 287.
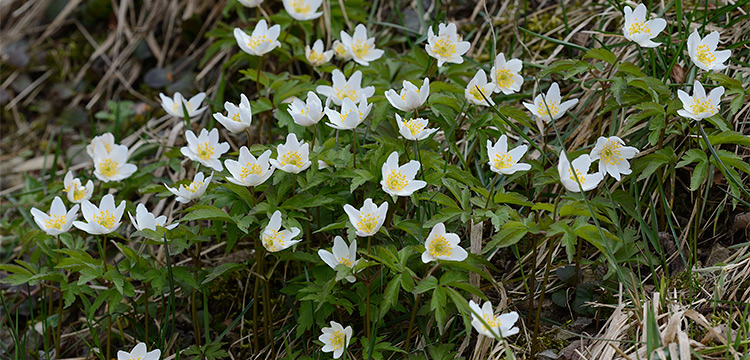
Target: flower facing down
x: 76, y: 192
x: 703, y: 51
x: 316, y: 56
x: 446, y: 47
x: 205, y: 148
x: 699, y: 106
x: 503, y: 161
x: 173, y: 106
x: 106, y: 139
x: 292, y: 156
x: 441, y: 245
x: 112, y: 165
x: 342, y: 254
x: 342, y: 88
x: 262, y: 41
x: 249, y: 171
x: 360, y: 47
x: 581, y: 165
x: 613, y: 156
x: 414, y: 129
x: 303, y: 10
x: 59, y: 219
x: 238, y: 118
x: 399, y: 180
x: 139, y: 353
x: 103, y: 219
x: 367, y: 220
x: 249, y: 4
x: 350, y: 116
x: 336, y: 338
x: 340, y: 50
x: 194, y: 190
x: 411, y: 97
x: 551, y: 102
x: 477, y: 87
x: 506, y: 75
x: 146, y: 220
x: 308, y: 112
x: 501, y: 325
x: 275, y: 240
x: 638, y: 30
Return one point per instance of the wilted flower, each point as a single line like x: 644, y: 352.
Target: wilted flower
x: 205, y: 149
x: 581, y: 166
x: 350, y: 116
x: 342, y: 254
x: 194, y: 190
x: 612, y: 155
x: 262, y: 41
x: 103, y: 219
x: 292, y: 156
x: 699, y: 106
x: 106, y: 139
x: 76, y: 192
x: 703, y: 51
x: 303, y: 9
x: 59, y: 219
x: 340, y: 50
x: 477, y: 87
x: 499, y: 325
x: 336, y: 339
x: 146, y: 220
x: 173, y: 106
x: 249, y: 171
x: 446, y: 46
x: 275, y: 240
x: 506, y: 75
x: 250, y: 4
x: 316, y: 56
x: 414, y: 129
x: 441, y: 245
x: 367, y: 220
x: 238, y: 118
x: 342, y: 89
x: 638, y: 30
x: 503, y: 161
x: 306, y: 113
x: 139, y: 353
x: 552, y: 102
x: 112, y: 165
x: 360, y: 47
x: 411, y: 97
x: 399, y: 180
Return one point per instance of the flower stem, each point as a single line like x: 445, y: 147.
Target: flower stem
x: 492, y: 188
x: 315, y: 136
x: 355, y: 147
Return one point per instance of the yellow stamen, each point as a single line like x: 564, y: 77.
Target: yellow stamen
x: 396, y: 181
x: 440, y: 247
x: 251, y: 169
x: 503, y: 160
x: 109, y: 167
x: 361, y: 48
x: 104, y: 218
x: 205, y: 150
x: 702, y: 105
x: 639, y: 28
x: 553, y: 108
x: 705, y: 55
x: 293, y: 158
x: 337, y: 340
x: 503, y: 77
x: 444, y: 47
x: 611, y: 153
x: 367, y: 222
x: 56, y: 221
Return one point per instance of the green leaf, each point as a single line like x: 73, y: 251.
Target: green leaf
x: 511, y: 233
x: 512, y: 198
x: 729, y: 137
x: 568, y: 239
x: 220, y: 270
x: 426, y: 284
x: 206, y: 212
x: 390, y: 295
x: 601, y: 54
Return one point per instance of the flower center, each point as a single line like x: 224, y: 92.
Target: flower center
x: 346, y: 92
x: 360, y: 48
x: 300, y: 6
x: 440, y: 247
x: 639, y: 28
x: 194, y: 186
x: 577, y: 174
x: 701, y: 106
x: 345, y: 260
x: 56, y: 221
x: 337, y: 340
x: 503, y: 77
x: 293, y: 158
x: 79, y: 192
x: 108, y: 167
x: 236, y: 117
x: 340, y: 50
x: 541, y: 109
x: 503, y: 160
x: 255, y: 41
x: 491, y: 320
x: 367, y: 222
x: 272, y: 240
x: 611, y: 154
x: 477, y: 94
x: 251, y: 169
x: 444, y: 47
x: 396, y: 180
x: 705, y: 55
x: 177, y: 109
x: 104, y: 218
x: 205, y: 150
x: 315, y: 56
x: 415, y: 126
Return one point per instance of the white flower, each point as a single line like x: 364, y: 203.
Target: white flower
x: 446, y: 47
x: 316, y: 56
x: 112, y: 165
x: 303, y: 9
x: 552, y: 102
x: 367, y: 220
x: 703, y: 51
x: 59, y: 219
x: 106, y: 139
x: 340, y: 50
x: 499, y: 325
x: 275, y: 240
x: 139, y: 353
x: 505, y: 75
x: 476, y: 84
x: 194, y: 190
x: 699, y: 106
x: 76, y: 192
x: 238, y: 118
x: 441, y: 245
x: 581, y: 166
x: 342, y: 88
x: 414, y: 129
x: 250, y: 3
x: 350, y: 116
x: 612, y: 155
x: 503, y: 161
x: 399, y: 180
x: 638, y: 30
x: 173, y: 106
x: 262, y: 41
x: 249, y: 171
x: 411, y: 97
x: 306, y: 113
x: 205, y: 149
x: 146, y: 220
x: 360, y: 47
x: 342, y: 254
x: 103, y: 219
x: 292, y: 156
x: 336, y: 339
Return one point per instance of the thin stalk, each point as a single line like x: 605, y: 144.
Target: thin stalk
x: 103, y: 254
x: 541, y: 297
x: 60, y: 305
x: 355, y: 147
x: 315, y: 136
x: 414, y: 312
x: 492, y: 188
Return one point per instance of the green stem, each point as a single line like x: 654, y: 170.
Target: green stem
x: 492, y: 188
x: 355, y: 147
